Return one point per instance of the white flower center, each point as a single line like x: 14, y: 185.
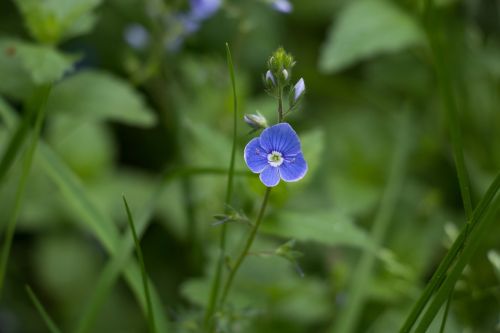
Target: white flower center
x: 275, y: 159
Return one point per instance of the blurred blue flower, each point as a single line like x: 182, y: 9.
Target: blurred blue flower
x: 203, y: 9
x: 283, y: 6
x: 136, y: 36
x: 276, y: 154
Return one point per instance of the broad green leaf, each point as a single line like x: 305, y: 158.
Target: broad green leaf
x: 96, y: 95
x: 326, y: 227
x: 367, y: 28
x: 23, y: 64
x: 51, y: 21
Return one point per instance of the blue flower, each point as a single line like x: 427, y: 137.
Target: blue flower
x: 276, y: 154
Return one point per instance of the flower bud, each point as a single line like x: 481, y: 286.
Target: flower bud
x: 285, y: 74
x: 256, y: 121
x: 298, y: 90
x: 269, y: 79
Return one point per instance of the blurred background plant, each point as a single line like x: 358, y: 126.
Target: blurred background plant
x: 140, y: 103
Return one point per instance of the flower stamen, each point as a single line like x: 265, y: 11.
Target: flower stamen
x: 275, y: 158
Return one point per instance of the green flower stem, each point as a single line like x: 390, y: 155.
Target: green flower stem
x: 280, y: 104
x: 247, y: 247
x: 39, y: 102
x: 214, y: 293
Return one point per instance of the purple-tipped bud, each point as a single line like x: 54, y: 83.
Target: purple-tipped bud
x: 283, y: 6
x: 136, y: 36
x: 270, y: 78
x: 285, y: 74
x: 299, y: 89
x: 256, y: 121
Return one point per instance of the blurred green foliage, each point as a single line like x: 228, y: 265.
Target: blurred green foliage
x: 122, y: 120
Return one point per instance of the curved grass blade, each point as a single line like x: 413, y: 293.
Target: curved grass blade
x: 41, y: 310
x: 151, y: 318
x: 37, y: 103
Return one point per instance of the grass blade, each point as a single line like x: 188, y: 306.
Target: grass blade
x: 440, y: 273
x: 43, y: 313
x: 214, y: 292
x: 473, y: 241
x: 363, y: 271
x: 37, y: 103
x: 151, y: 318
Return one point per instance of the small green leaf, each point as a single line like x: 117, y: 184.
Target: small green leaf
x: 327, y: 227
x: 96, y: 95
x: 51, y: 21
x: 366, y: 28
x: 24, y: 64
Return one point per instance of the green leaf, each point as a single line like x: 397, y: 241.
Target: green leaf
x: 96, y: 95
x: 367, y: 28
x: 51, y: 21
x: 326, y: 227
x: 25, y: 64
x: 313, y: 144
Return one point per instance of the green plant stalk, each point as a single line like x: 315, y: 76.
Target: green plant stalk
x: 474, y: 240
x: 214, y: 293
x: 40, y: 99
x: 440, y: 273
x: 117, y: 262
x: 41, y: 310
x: 363, y: 271
x: 245, y: 250
x: 140, y: 258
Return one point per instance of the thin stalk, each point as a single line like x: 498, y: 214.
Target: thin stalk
x: 280, y: 104
x: 41, y: 310
x: 140, y: 258
x: 363, y: 271
x: 245, y: 250
x: 214, y: 293
x: 40, y: 100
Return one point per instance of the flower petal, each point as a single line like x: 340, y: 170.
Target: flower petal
x: 255, y: 156
x: 294, y: 169
x: 270, y: 176
x: 281, y: 138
